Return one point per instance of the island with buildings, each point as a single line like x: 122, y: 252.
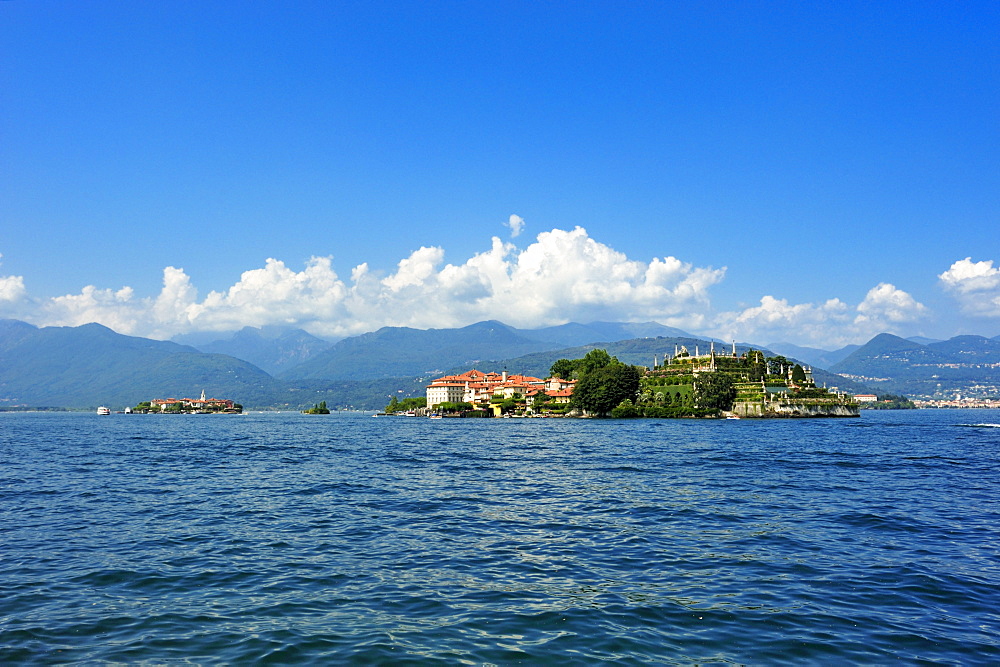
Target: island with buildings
x: 201, y: 405
x: 710, y: 384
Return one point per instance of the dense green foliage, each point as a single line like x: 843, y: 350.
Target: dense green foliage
x: 626, y: 410
x: 890, y: 402
x: 405, y: 405
x: 318, y: 409
x: 604, y: 384
x: 449, y: 406
x: 564, y: 369
x: 798, y: 374
x: 714, y: 391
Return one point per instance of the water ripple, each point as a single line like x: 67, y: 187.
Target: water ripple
x: 275, y: 538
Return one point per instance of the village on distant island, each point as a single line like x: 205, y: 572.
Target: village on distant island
x: 708, y: 385
x: 201, y: 406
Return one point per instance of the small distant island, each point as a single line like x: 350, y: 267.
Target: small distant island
x: 201, y: 405
x: 710, y: 384
x: 318, y: 409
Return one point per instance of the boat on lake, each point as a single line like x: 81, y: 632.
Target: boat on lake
x: 103, y: 410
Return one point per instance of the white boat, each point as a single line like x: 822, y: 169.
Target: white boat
x: 103, y: 410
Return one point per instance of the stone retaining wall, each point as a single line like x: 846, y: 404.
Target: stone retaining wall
x: 773, y: 409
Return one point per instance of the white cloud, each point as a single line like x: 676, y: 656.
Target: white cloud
x: 831, y: 324
x: 561, y: 276
x: 516, y: 224
x: 12, y: 291
x: 777, y: 320
x: 566, y: 275
x: 176, y: 298
x: 976, y: 286
x: 274, y: 294
x: 884, y: 303
x: 113, y: 308
x: 415, y: 270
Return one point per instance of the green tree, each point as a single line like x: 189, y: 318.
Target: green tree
x: 798, y: 374
x: 392, y: 407
x: 714, y: 391
x: 601, y: 390
x: 564, y: 368
x: 594, y: 360
x: 413, y: 403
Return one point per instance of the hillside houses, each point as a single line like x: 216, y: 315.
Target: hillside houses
x: 479, y: 388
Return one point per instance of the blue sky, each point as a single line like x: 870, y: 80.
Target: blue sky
x: 806, y: 172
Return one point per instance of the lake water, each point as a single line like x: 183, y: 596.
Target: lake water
x: 288, y: 538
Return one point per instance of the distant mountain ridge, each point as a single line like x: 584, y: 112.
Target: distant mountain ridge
x: 90, y: 365
x: 897, y: 365
x: 272, y: 349
x: 811, y: 355
x: 399, y: 351
x: 573, y: 334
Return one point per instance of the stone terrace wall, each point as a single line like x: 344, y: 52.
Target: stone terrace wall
x: 773, y: 409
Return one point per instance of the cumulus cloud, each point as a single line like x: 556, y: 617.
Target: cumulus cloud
x: 12, y: 290
x: 274, y: 294
x: 976, y: 286
x: 561, y: 276
x: 516, y: 224
x: 116, y: 309
x: 776, y: 320
x: 885, y: 304
x: 832, y: 323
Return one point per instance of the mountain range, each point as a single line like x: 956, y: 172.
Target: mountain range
x: 394, y: 351
x: 812, y: 355
x: 272, y: 349
x: 81, y: 367
x: 88, y: 365
x: 960, y: 365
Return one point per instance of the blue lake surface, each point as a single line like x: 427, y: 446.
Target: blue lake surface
x: 288, y: 538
